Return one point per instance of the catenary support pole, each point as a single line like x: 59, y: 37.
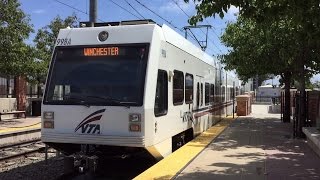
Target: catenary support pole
x: 93, y: 12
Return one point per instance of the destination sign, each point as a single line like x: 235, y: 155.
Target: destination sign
x: 102, y: 51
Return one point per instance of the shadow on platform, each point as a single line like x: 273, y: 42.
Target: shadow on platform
x: 255, y: 147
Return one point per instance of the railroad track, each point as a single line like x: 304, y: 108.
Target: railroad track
x: 20, y: 149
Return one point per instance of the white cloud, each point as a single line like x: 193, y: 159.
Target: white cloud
x: 171, y: 7
x: 38, y: 11
x: 232, y: 14
x: 233, y: 10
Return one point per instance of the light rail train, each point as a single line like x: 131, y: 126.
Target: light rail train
x: 131, y: 87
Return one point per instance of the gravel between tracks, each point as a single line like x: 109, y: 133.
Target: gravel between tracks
x: 32, y: 167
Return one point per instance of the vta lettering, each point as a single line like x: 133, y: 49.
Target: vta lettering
x: 91, y: 129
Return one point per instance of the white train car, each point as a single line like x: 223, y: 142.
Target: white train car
x: 129, y: 87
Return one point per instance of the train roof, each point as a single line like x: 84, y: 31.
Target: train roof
x: 146, y: 29
x: 179, y: 41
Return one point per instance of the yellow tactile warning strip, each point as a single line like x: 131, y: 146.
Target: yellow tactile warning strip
x: 175, y: 162
x: 14, y: 129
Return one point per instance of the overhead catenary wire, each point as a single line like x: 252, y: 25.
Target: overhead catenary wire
x: 200, y: 28
x: 170, y: 23
x: 135, y: 9
x: 180, y: 8
x: 157, y: 14
x: 195, y: 38
x: 124, y: 9
x: 188, y: 17
x: 74, y: 8
x: 79, y: 10
x: 211, y: 29
x: 150, y: 11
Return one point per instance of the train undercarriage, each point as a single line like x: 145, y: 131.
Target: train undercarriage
x: 86, y: 157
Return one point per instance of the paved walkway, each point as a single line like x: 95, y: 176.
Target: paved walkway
x: 255, y: 147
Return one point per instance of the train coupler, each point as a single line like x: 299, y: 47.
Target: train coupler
x: 80, y: 163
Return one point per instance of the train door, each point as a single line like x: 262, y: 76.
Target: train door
x: 198, y: 103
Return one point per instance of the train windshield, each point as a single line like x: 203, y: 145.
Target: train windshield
x: 97, y: 75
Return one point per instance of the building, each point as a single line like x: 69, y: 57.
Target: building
x: 17, y: 94
x: 268, y: 91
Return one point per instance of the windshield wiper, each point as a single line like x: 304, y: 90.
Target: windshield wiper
x: 109, y: 99
x: 81, y: 100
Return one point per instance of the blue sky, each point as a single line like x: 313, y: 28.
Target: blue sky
x: 42, y: 12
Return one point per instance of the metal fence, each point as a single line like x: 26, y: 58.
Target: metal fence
x: 311, y: 110
x: 268, y: 99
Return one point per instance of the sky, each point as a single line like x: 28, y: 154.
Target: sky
x: 42, y: 12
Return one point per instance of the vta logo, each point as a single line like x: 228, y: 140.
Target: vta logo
x: 90, y: 128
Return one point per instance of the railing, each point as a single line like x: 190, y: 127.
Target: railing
x: 268, y: 99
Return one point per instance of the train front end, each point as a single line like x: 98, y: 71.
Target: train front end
x: 95, y: 89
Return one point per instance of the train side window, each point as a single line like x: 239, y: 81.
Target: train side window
x: 223, y: 93
x: 198, y: 94
x: 211, y: 93
x: 206, y: 93
x: 189, y: 88
x: 217, y: 95
x: 232, y: 93
x: 178, y: 88
x: 161, y: 99
x: 227, y: 94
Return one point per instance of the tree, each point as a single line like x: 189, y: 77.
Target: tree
x: 15, y: 55
x: 304, y: 19
x: 45, y: 42
x: 259, y: 52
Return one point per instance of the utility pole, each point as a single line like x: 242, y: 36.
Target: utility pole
x: 233, y: 99
x: 226, y: 93
x: 93, y: 12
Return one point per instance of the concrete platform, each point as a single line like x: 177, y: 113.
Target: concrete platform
x: 17, y: 130
x: 313, y: 138
x: 171, y: 165
x: 254, y: 147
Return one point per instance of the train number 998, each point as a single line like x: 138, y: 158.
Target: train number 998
x: 63, y: 42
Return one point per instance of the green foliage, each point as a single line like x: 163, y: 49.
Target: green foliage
x: 286, y: 31
x: 46, y: 36
x: 254, y: 51
x: 45, y: 42
x: 270, y: 36
x: 15, y: 55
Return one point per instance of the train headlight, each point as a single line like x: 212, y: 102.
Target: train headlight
x: 135, y: 127
x: 134, y: 117
x: 48, y: 115
x: 48, y: 124
x: 135, y: 122
x: 103, y: 35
